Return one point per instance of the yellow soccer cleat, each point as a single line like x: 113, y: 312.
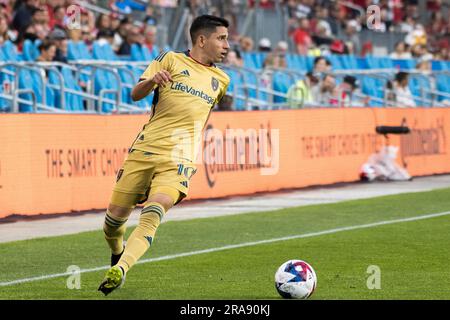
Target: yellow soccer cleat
x: 114, y: 279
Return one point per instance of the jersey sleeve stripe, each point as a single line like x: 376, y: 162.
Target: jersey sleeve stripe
x: 161, y: 56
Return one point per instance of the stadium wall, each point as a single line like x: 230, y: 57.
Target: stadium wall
x: 63, y: 163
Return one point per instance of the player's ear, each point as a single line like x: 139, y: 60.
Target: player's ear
x: 201, y: 40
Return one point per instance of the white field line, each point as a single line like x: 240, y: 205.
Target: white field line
x: 234, y: 246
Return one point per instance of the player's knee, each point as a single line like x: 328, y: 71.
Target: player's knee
x: 165, y: 196
x: 119, y: 212
x: 114, y: 224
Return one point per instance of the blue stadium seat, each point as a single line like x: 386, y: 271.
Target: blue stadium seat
x: 73, y: 51
x: 83, y: 50
x: 30, y: 51
x: 281, y: 82
x: 348, y: 61
x: 249, y: 62
x: 10, y: 51
x: 25, y: 79
x: 137, y: 52
x: 73, y: 102
x: 150, y: 55
x: 235, y: 86
x: 38, y: 90
x: 404, y: 64
x: 335, y: 62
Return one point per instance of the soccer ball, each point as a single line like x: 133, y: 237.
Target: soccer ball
x: 295, y: 279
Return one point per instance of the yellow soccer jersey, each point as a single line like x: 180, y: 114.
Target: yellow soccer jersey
x: 180, y: 108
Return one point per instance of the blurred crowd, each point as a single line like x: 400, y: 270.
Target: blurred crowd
x: 316, y: 27
x: 49, y: 21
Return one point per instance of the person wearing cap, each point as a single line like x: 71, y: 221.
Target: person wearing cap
x: 264, y: 45
x: 351, y: 38
x: 59, y: 38
x: 301, y: 92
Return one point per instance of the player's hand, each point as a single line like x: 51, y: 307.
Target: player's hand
x: 161, y: 78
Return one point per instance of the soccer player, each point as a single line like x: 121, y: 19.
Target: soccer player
x: 160, y: 161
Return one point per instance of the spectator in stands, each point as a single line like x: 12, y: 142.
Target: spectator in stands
x: 234, y: 58
x: 420, y: 51
x: 150, y: 16
x: 401, y: 51
x: 103, y: 22
x: 23, y: 15
x: 4, y: 32
x: 133, y: 36
x: 115, y: 21
x: 403, y: 96
x: 322, y: 38
x: 246, y: 44
x: 301, y: 92
x: 47, y: 51
x: 351, y: 38
x: 121, y: 33
x: 149, y: 37
x: 321, y: 65
x: 407, y: 25
x: 59, y: 38
x: 6, y: 9
x: 282, y: 48
x: 105, y: 37
x: 443, y: 52
x: 264, y: 45
x: 437, y: 25
x: 326, y: 94
x: 424, y: 67
x: 347, y: 93
x: 323, y: 20
x: 301, y: 37
x: 417, y: 36
x: 304, y: 8
x: 87, y: 20
x: 58, y: 20
x: 35, y: 31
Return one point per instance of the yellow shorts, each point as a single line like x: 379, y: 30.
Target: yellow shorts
x: 143, y: 171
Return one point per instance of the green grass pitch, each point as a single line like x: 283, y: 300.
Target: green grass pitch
x: 412, y: 255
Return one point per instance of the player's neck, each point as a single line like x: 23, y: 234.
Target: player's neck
x: 200, y: 57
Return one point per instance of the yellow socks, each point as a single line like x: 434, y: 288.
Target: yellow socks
x: 141, y: 238
x: 114, y: 229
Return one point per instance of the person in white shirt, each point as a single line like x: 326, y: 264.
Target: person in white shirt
x: 403, y: 96
x: 401, y: 51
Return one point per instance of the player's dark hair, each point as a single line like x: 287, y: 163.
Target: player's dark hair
x: 207, y: 24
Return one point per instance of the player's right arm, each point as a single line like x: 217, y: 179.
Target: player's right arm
x: 156, y: 74
x: 146, y: 86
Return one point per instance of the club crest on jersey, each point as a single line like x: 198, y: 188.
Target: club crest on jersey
x: 214, y: 83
